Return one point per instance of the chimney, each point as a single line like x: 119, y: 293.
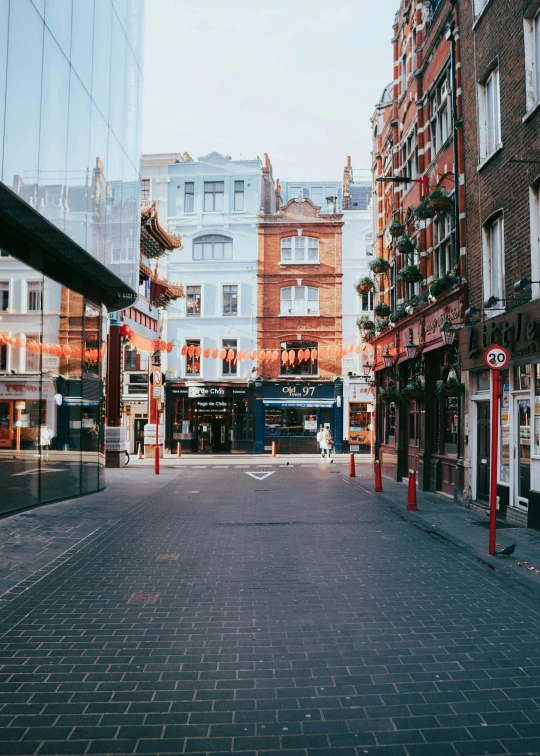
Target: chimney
x: 348, y: 161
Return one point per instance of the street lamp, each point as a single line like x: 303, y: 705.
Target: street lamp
x: 411, y: 349
x: 448, y: 333
x: 366, y: 368
x: 423, y: 181
x: 388, y: 360
x: 522, y: 284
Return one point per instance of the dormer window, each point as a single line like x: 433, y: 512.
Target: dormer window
x: 299, y: 250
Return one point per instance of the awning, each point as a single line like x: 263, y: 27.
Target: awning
x: 298, y: 403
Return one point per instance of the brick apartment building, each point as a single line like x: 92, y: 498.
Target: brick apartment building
x: 298, y: 323
x: 500, y: 43
x: 420, y: 248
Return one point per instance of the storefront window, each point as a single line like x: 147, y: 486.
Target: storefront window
x: 451, y: 425
x: 537, y: 410
x: 522, y: 377
x: 290, y: 421
x: 360, y: 428
x: 390, y: 423
x: 193, y: 357
x: 301, y: 360
x: 504, y: 472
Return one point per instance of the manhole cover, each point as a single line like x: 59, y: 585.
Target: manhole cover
x: 167, y: 557
x: 141, y: 597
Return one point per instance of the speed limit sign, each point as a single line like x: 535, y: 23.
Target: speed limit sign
x: 497, y: 357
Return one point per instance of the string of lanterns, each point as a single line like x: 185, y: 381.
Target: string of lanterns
x: 59, y: 350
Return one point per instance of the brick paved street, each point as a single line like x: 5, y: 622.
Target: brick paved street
x: 295, y: 613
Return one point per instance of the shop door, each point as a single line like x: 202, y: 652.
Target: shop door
x: 523, y: 451
x: 219, y: 434
x: 138, y: 433
x: 413, y: 437
x: 482, y: 451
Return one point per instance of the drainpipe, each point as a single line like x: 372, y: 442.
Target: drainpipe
x: 450, y: 36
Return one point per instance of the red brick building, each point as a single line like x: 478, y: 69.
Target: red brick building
x: 500, y: 44
x: 299, y: 324
x: 418, y: 170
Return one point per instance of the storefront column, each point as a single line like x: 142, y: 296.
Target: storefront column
x: 259, y: 426
x: 337, y: 419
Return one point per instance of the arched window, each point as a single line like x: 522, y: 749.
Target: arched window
x: 299, y: 300
x: 212, y: 247
x: 300, y: 250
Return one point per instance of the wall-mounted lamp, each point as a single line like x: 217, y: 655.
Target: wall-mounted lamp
x: 471, y: 312
x: 412, y: 350
x: 366, y: 368
x: 522, y: 284
x: 387, y: 358
x: 448, y: 333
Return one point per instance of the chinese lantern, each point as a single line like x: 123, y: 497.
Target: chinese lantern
x: 191, y: 350
x: 262, y: 355
x: 291, y: 356
x: 183, y: 351
x: 300, y: 355
x: 102, y: 352
x: 253, y: 355
x: 230, y: 355
x: 351, y: 347
x: 344, y: 350
x: 358, y: 348
x: 124, y: 330
x: 313, y: 354
x: 268, y: 356
x: 330, y: 351
x: 275, y: 354
x: 223, y: 354
x: 240, y: 356
x: 215, y: 354
x: 162, y: 345
x: 206, y: 353
x: 57, y: 349
x: 169, y: 347
x: 284, y: 356
x: 198, y: 351
x: 19, y: 342
x: 77, y: 352
x: 66, y: 350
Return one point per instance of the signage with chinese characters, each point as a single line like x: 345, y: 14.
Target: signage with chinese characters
x: 360, y: 392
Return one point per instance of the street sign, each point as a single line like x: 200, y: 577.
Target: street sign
x: 156, y: 375
x: 497, y: 357
x: 157, y: 392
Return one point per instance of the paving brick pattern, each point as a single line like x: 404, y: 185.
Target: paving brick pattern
x: 303, y: 616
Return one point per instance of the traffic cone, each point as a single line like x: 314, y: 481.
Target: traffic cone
x: 179, y: 449
x: 411, y: 493
x: 274, y: 453
x: 378, y: 477
x: 352, y: 471
x: 139, y: 455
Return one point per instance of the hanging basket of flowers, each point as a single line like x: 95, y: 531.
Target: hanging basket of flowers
x: 450, y: 387
x: 382, y: 310
x: 410, y: 274
x: 438, y: 202
x: 364, y: 285
x: 396, y: 228
x: 406, y: 245
x: 365, y: 324
x: 389, y: 395
x: 379, y: 265
x: 414, y: 390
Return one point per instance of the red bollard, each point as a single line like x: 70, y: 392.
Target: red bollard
x: 179, y: 449
x: 156, y: 460
x: 352, y: 472
x: 139, y: 455
x: 378, y: 477
x: 274, y: 453
x: 411, y: 493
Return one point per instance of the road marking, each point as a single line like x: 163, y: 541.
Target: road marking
x: 287, y: 465
x: 220, y: 467
x: 31, y: 472
x: 259, y: 475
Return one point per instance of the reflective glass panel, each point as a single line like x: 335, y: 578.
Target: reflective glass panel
x: 58, y: 19
x: 4, y: 8
x: 102, y: 56
x: 79, y: 174
x: 82, y: 40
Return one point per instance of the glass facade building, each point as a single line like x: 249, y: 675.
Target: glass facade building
x: 70, y: 89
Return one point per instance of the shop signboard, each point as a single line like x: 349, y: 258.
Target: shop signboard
x: 302, y: 390
x: 209, y: 391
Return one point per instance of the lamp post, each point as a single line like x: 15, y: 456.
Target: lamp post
x: 366, y: 369
x: 387, y: 358
x: 411, y: 349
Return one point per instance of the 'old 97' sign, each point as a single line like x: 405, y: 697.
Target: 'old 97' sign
x: 497, y: 357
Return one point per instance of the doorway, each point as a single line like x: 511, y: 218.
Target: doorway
x: 212, y: 433
x: 138, y: 433
x: 413, y: 440
x: 482, y: 451
x: 523, y: 451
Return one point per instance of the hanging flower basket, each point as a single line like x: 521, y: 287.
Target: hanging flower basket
x: 438, y: 202
x: 364, y: 285
x: 379, y: 265
x: 382, y: 324
x: 410, y: 274
x: 382, y: 310
x: 396, y: 228
x: 449, y: 388
x: 365, y: 324
x: 406, y: 245
x: 389, y: 395
x: 414, y: 391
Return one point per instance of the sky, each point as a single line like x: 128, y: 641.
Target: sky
x: 298, y: 79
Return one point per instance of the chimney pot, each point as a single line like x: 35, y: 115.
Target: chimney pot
x: 348, y: 161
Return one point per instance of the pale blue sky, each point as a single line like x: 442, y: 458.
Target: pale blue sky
x: 297, y: 79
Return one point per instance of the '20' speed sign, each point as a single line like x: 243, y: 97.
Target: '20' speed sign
x: 497, y: 357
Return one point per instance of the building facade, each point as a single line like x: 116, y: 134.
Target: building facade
x: 69, y: 234
x: 419, y: 272
x: 299, y: 325
x: 213, y: 203
x: 500, y: 45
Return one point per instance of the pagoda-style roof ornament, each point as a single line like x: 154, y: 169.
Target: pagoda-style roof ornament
x: 155, y: 241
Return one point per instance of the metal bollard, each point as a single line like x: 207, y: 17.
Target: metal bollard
x: 352, y: 471
x: 378, y: 477
x: 411, y: 493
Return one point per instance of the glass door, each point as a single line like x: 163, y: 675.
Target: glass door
x: 523, y: 451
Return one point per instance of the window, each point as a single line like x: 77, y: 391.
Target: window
x: 193, y: 301
x: 439, y: 113
x: 410, y: 156
x: 230, y: 299
x: 32, y: 359
x: 366, y: 302
x: 479, y: 6
x: 3, y: 357
x: 299, y: 300
x: 189, y: 197
x: 532, y: 59
x: 482, y: 380
x: 489, y: 116
x: 229, y: 365
x: 535, y: 237
x: 4, y: 296
x: 300, y: 249
x: 212, y: 247
x: 493, y: 238
x: 145, y: 189
x: 301, y: 361
x: 285, y: 422
x: 390, y: 423
x: 34, y: 296
x: 130, y: 359
x: 238, y: 195
x: 403, y: 74
x: 443, y: 252
x: 369, y: 245
x: 193, y: 357
x: 213, y: 196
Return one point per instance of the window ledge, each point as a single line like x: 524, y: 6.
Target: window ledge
x: 296, y: 262
x: 302, y: 315
x: 487, y: 159
x: 535, y: 108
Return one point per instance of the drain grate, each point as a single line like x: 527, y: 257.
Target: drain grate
x: 167, y: 557
x: 142, y: 597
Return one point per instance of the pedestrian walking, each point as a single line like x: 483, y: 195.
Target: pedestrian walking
x: 326, y: 444
x: 320, y: 436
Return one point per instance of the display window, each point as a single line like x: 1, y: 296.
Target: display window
x: 290, y: 421
x: 360, y: 425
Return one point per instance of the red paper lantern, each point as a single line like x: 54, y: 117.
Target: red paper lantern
x: 275, y: 354
x: 20, y: 342
x: 230, y: 355
x: 66, y: 350
x: 77, y: 352
x: 300, y: 355
x: 124, y: 330
x: 215, y: 354
x: 284, y: 356
x: 169, y: 347
x: 206, y: 354
x: 253, y: 355
x: 344, y: 350
x: 358, y: 348
x: 291, y: 356
x: 183, y: 351
x: 162, y: 345
x: 268, y: 355
x: 191, y: 350
x: 223, y: 354
x: 313, y: 354
x: 198, y: 351
x: 57, y: 350
x: 262, y: 355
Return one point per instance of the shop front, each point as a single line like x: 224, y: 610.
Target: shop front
x: 210, y: 417
x: 420, y: 398
x: 359, y: 417
x: 290, y: 414
x: 518, y: 479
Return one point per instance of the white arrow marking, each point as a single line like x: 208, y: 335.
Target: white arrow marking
x: 260, y: 475
x: 46, y: 470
